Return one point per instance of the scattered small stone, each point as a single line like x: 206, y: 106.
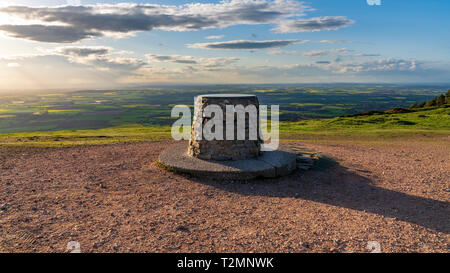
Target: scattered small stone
x: 183, y: 229
x: 294, y: 219
x: 304, y: 244
x: 209, y: 194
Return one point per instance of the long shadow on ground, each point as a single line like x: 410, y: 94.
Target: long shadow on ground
x: 332, y: 184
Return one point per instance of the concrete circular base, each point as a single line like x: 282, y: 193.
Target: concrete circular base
x: 270, y: 164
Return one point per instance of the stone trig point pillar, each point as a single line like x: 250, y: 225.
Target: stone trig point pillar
x: 237, y: 155
x: 230, y: 148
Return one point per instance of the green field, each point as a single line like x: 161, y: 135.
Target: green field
x: 423, y: 122
x: 419, y: 122
x: 308, y: 112
x: 97, y: 109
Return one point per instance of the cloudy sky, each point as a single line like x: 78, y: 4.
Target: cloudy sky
x: 102, y: 44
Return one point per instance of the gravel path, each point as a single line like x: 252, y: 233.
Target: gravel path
x: 115, y: 199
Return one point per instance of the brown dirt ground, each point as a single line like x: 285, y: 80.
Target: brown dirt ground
x: 116, y: 199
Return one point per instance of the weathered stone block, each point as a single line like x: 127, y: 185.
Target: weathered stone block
x: 221, y: 150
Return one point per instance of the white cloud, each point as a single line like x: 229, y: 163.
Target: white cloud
x: 390, y: 64
x: 217, y: 62
x: 12, y: 65
x: 390, y: 70
x: 336, y: 42
x: 366, y: 55
x: 314, y: 24
x: 83, y: 51
x: 106, y: 70
x: 247, y: 44
x: 214, y: 37
x: 66, y: 24
x: 281, y: 52
x: 321, y: 53
x: 99, y: 57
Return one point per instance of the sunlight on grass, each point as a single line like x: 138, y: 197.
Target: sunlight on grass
x: 113, y: 135
x: 63, y: 110
x: 305, y: 104
x: 264, y: 90
x: 140, y: 105
x: 367, y: 128
x: 52, y: 95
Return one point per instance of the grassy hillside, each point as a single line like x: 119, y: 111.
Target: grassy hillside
x: 378, y: 126
x: 112, y: 135
x: 416, y: 122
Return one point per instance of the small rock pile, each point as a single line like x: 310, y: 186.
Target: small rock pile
x: 306, y: 159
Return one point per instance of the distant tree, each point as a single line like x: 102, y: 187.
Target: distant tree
x: 440, y: 100
x: 431, y: 103
x: 434, y: 102
x: 415, y: 105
